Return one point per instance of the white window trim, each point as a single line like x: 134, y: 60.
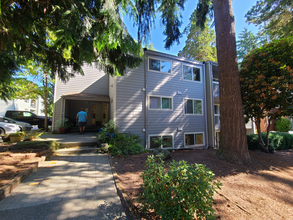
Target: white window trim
x: 196, y: 145
x: 155, y: 71
x: 193, y: 106
x: 160, y: 96
x: 164, y: 134
x: 200, y: 73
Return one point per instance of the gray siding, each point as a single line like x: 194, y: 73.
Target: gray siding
x: 130, y: 102
x: 94, y: 81
x: 166, y: 121
x: 112, y: 94
x: 210, y: 104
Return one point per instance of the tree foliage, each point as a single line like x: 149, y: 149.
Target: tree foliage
x: 266, y: 77
x: 274, y: 15
x: 200, y: 44
x: 35, y: 81
x: 247, y: 42
x: 83, y: 31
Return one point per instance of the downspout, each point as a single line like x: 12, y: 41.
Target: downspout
x: 206, y: 117
x: 145, y: 106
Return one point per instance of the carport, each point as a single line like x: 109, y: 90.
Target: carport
x: 97, y: 108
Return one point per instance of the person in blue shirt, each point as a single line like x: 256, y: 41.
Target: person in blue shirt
x: 81, y: 119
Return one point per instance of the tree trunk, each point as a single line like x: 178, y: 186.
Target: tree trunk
x: 260, y: 140
x: 46, y: 102
x: 233, y: 141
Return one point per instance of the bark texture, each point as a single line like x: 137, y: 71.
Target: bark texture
x: 233, y: 141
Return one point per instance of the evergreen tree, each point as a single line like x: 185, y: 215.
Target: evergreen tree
x: 273, y: 16
x: 233, y: 143
x: 247, y: 42
x: 200, y: 44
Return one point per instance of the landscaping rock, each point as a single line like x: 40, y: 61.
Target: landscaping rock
x: 165, y: 154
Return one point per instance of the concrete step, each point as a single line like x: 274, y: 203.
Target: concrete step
x: 77, y: 144
x: 77, y: 150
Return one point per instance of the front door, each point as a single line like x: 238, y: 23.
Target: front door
x: 105, y: 113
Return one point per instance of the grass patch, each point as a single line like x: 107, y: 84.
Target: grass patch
x: 54, y: 145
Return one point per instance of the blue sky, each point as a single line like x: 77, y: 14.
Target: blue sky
x: 240, y: 8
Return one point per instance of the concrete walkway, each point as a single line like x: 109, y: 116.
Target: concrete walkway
x: 66, y: 187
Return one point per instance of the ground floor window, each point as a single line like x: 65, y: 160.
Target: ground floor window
x: 160, y: 141
x: 194, y: 139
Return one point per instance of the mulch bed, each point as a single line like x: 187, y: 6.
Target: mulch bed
x: 13, y: 162
x: 262, y: 190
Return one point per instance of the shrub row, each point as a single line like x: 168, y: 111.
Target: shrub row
x: 278, y: 140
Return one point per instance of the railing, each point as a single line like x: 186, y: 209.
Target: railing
x: 216, y: 90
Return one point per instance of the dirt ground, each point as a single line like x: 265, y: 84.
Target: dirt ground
x: 12, y: 162
x: 263, y: 190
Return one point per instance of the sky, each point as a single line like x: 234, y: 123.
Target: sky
x: 240, y: 8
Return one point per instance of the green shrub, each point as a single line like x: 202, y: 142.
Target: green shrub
x: 278, y: 141
x: 125, y: 145
x: 121, y: 144
x: 111, y: 127
x: 180, y: 193
x: 283, y: 125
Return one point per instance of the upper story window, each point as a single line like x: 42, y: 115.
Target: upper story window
x: 191, y: 73
x: 160, y: 65
x: 160, y: 102
x: 193, y: 106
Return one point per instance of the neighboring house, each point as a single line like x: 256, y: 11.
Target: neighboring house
x: 213, y: 105
x: 35, y: 106
x: 167, y: 97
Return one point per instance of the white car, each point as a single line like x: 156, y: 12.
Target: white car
x: 24, y: 126
x: 8, y: 128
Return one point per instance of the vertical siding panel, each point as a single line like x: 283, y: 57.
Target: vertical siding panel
x: 112, y: 95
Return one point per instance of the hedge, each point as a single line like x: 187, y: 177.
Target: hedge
x: 278, y: 140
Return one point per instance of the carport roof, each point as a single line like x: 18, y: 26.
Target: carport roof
x: 87, y: 96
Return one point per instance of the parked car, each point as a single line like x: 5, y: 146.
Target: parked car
x: 28, y: 117
x: 8, y: 128
x: 24, y: 126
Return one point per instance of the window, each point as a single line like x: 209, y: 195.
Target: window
x: 159, y: 102
x: 191, y: 73
x: 160, y: 65
x: 193, y: 139
x: 27, y: 114
x: 217, y: 114
x: 160, y: 141
x: 193, y: 106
